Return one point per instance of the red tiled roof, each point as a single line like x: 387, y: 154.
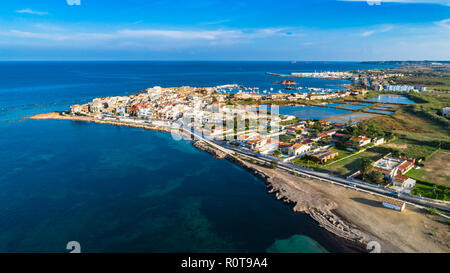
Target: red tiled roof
x: 381, y: 171
x: 284, y: 145
x: 405, y: 165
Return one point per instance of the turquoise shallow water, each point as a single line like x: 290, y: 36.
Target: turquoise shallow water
x: 117, y: 189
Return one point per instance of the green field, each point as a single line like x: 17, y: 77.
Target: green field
x: 428, y: 188
x: 410, y: 147
x: 420, y: 126
x: 350, y: 165
x: 312, y: 164
x: 434, y: 191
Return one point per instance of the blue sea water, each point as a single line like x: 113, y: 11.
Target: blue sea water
x: 117, y: 189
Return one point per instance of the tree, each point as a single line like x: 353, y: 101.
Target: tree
x: 365, y: 166
x: 273, y: 164
x: 376, y: 177
x: 276, y: 152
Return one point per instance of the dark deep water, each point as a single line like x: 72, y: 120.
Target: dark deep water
x: 117, y: 189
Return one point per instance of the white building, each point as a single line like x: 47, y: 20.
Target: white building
x: 298, y: 149
x: 393, y: 204
x: 378, y: 141
x: 145, y: 112
x: 398, y: 88
x: 403, y: 183
x: 446, y: 112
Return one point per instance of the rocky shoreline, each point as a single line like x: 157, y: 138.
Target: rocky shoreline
x: 306, y: 201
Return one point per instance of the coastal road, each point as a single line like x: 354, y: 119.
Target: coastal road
x: 324, y: 177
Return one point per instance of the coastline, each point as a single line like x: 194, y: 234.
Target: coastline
x: 349, y: 218
x: 310, y: 202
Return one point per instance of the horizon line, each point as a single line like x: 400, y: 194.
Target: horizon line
x: 209, y: 60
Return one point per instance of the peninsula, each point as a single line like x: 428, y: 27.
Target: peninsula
x: 354, y: 178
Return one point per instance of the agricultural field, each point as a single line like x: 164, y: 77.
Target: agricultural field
x: 441, y: 83
x: 411, y: 148
x: 434, y: 78
x: 304, y: 161
x: 436, y: 169
x: 420, y: 128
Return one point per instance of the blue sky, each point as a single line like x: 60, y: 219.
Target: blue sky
x: 330, y: 30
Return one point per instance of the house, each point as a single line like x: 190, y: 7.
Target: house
x: 279, y: 96
x: 121, y: 110
x: 291, y: 131
x: 145, y: 112
x: 307, y: 141
x: 75, y: 109
x: 393, y: 204
x: 297, y: 96
x: 331, y: 132
x: 96, y: 107
x: 361, y: 141
x: 324, y: 155
x: 378, y: 141
x: 246, y: 96
x: 284, y: 147
x: 324, y: 122
x: 243, y: 139
x: 394, y: 169
x: 256, y: 143
x: 298, y: 149
x: 403, y: 183
x: 446, y: 111
x: 339, y: 136
x: 339, y: 125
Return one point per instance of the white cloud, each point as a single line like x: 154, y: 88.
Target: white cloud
x: 60, y: 34
x: 74, y: 2
x: 180, y: 34
x: 444, y: 23
x: 57, y: 36
x: 30, y: 11
x: 442, y: 2
x: 380, y: 30
x: 408, y: 42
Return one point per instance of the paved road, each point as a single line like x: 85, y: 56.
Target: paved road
x: 324, y: 177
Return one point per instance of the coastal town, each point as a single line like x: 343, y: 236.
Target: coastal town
x: 225, y: 136
x: 254, y: 128
x: 362, y: 150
